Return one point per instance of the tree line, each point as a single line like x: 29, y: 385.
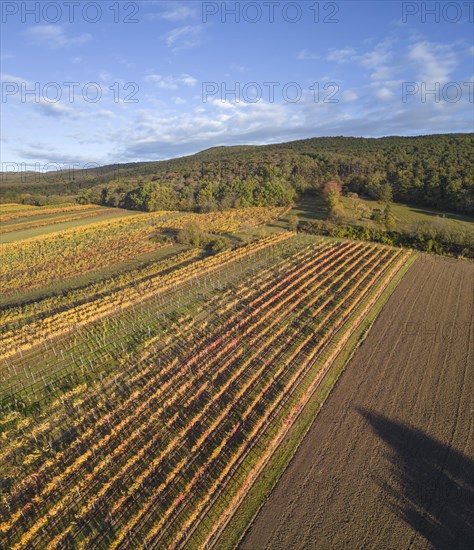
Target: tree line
x: 434, y: 171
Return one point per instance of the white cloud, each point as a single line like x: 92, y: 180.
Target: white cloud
x: 341, y: 56
x: 186, y: 37
x: 153, y: 134
x: 374, y: 111
x: 104, y: 113
x: 55, y: 37
x: 375, y: 59
x: 104, y: 76
x: 4, y: 77
x: 171, y: 82
x: 434, y: 62
x: 188, y: 80
x: 304, y: 54
x: 383, y: 93
x: 179, y: 13
x: 53, y: 109
x: 349, y: 95
x: 43, y: 153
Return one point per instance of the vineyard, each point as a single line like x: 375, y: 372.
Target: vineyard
x: 18, y: 213
x: 34, y: 221
x: 40, y: 221
x: 138, y: 412
x: 33, y: 263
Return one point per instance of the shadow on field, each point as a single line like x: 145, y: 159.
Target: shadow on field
x: 431, y: 486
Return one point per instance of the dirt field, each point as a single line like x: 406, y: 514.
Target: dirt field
x: 389, y: 461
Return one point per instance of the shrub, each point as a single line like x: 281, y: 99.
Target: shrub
x: 192, y: 234
x: 214, y: 246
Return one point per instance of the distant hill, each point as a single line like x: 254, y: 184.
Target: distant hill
x: 434, y: 170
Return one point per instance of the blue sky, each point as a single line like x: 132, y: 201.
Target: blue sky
x: 104, y: 82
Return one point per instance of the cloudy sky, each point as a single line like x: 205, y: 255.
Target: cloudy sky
x: 104, y: 82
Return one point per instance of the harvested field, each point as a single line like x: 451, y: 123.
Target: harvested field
x: 389, y: 461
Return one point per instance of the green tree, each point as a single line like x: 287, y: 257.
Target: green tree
x: 384, y: 193
x: 292, y: 222
x: 193, y: 234
x: 389, y: 219
x: 376, y: 215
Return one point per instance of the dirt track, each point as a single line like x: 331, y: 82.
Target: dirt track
x: 389, y: 461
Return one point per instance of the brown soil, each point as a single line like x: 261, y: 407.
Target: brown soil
x: 389, y: 461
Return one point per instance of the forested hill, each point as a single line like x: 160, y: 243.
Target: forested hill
x: 435, y: 171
